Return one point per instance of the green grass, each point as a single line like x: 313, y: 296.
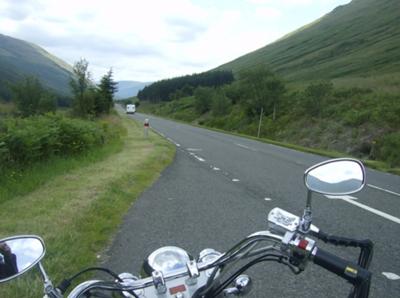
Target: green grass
x: 41, y: 172
x: 6, y: 108
x: 355, y: 40
x: 385, y: 83
x: 378, y: 165
x: 232, y: 124
x: 77, y: 211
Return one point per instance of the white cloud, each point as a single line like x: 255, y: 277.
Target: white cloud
x: 292, y: 2
x: 152, y: 39
x: 267, y: 12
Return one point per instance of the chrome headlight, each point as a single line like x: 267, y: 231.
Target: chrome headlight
x: 208, y: 256
x: 165, y: 259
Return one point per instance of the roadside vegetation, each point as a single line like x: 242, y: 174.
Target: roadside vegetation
x: 77, y: 208
x: 32, y: 131
x: 69, y: 175
x: 324, y: 116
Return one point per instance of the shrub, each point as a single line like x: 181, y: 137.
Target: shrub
x: 220, y: 105
x: 203, y: 99
x: 24, y: 141
x: 32, y: 98
x: 387, y: 149
x: 314, y: 97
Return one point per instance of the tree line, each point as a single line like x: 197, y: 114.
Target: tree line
x: 170, y: 89
x: 89, y: 100
x: 256, y: 91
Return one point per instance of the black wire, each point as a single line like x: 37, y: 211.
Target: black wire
x: 64, y: 285
x: 220, y: 263
x: 263, y: 258
x: 249, y: 240
x: 217, y: 265
x: 113, y: 274
x: 110, y: 286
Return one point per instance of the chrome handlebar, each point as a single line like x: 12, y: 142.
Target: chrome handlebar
x: 286, y: 237
x: 244, y: 249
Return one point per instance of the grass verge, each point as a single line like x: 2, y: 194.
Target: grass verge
x: 378, y: 165
x: 77, y: 212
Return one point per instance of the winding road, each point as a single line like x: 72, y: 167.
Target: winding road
x: 220, y: 188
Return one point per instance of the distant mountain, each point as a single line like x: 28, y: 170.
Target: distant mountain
x: 361, y: 38
x: 20, y: 58
x: 129, y: 88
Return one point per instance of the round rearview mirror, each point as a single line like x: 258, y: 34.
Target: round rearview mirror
x: 336, y: 177
x: 19, y: 254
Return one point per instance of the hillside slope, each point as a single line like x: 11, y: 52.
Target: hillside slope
x: 361, y: 38
x: 19, y: 58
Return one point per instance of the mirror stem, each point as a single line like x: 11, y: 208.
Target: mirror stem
x: 306, y: 219
x: 49, y: 289
x: 309, y: 195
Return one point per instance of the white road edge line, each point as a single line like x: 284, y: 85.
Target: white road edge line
x: 385, y: 190
x: 351, y: 200
x: 172, y: 141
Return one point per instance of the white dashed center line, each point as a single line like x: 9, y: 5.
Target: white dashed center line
x: 391, y: 276
x: 194, y: 149
x: 245, y: 147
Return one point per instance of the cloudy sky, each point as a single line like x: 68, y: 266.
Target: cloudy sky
x: 150, y: 40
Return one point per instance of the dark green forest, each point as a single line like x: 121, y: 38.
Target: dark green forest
x: 169, y: 89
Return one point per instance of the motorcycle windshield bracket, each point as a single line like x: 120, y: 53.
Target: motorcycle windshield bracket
x: 287, y: 238
x: 159, y: 282
x: 193, y: 271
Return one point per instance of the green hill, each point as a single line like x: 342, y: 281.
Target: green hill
x: 340, y: 90
x: 19, y: 58
x: 359, y: 39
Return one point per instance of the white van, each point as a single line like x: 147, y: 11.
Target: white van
x: 130, y: 109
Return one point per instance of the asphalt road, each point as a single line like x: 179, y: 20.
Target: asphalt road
x: 220, y: 188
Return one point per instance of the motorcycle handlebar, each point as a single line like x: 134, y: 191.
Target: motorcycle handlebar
x: 350, y: 271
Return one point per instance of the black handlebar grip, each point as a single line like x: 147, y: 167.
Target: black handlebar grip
x: 345, y: 269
